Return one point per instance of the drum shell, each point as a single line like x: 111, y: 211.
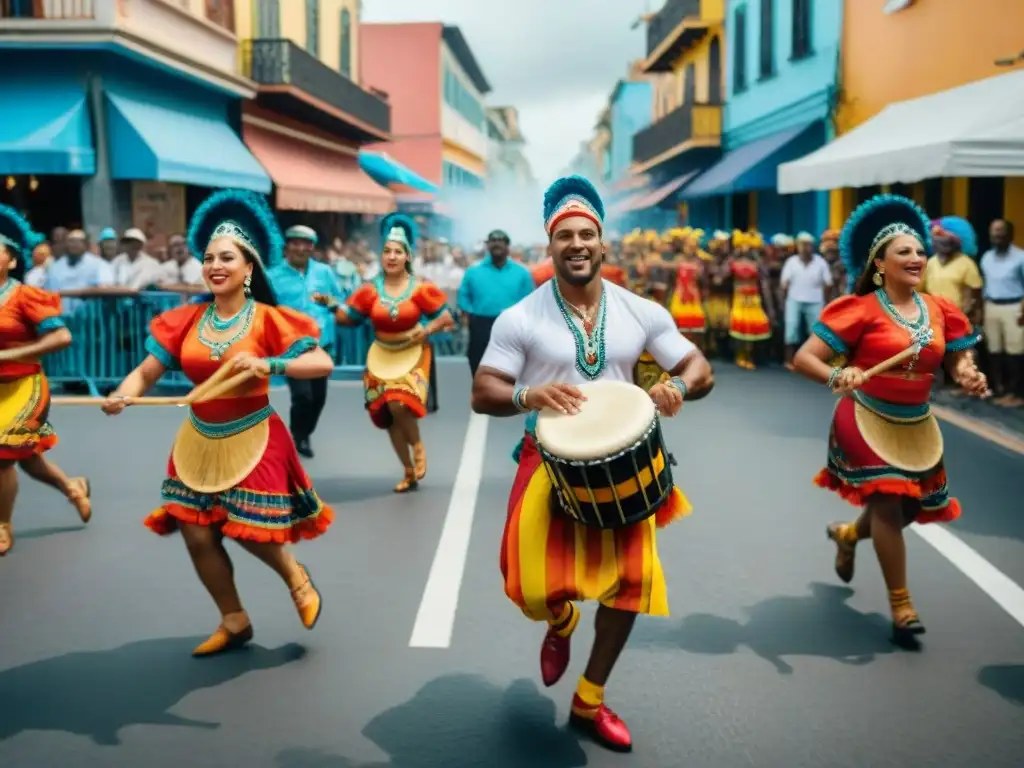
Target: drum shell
x: 609, y: 510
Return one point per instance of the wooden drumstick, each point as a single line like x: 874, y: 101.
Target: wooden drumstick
x: 892, y: 362
x: 98, y: 401
x: 224, y: 387
x: 216, y: 378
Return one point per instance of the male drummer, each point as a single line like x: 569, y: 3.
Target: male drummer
x: 575, y: 329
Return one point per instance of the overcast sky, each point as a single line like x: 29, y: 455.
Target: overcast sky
x: 556, y: 60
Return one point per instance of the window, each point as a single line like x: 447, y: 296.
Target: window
x: 313, y: 27
x: 462, y: 100
x: 739, y: 57
x: 455, y: 176
x: 222, y: 13
x: 690, y: 87
x: 345, y: 62
x: 803, y: 45
x: 268, y: 19
x: 767, y: 64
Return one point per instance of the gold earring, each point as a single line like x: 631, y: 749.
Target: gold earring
x: 877, y: 278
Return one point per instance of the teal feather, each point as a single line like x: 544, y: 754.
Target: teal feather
x: 868, y: 219
x: 963, y: 231
x: 250, y: 212
x: 572, y: 186
x: 17, y: 234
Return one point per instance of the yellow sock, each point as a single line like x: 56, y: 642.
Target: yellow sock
x: 589, y: 697
x: 565, y: 623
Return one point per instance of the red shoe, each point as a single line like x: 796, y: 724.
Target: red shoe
x: 605, y: 728
x: 554, y: 657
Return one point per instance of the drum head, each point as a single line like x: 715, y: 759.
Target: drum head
x: 913, y: 447
x: 613, y: 417
x: 212, y: 465
x: 390, y: 364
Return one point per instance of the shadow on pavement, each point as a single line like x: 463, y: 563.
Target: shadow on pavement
x: 462, y: 720
x: 40, y: 533
x: 1005, y: 679
x: 821, y: 624
x: 97, y: 693
x: 352, y: 488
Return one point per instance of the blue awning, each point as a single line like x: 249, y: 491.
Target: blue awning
x: 45, y: 127
x: 162, y: 136
x: 752, y: 166
x: 392, y: 174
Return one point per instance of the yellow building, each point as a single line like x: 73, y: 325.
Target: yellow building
x: 964, y: 44
x: 685, y: 42
x: 311, y: 115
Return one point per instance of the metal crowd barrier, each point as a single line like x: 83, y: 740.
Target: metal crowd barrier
x: 109, y: 334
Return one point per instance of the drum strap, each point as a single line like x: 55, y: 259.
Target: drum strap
x: 896, y: 413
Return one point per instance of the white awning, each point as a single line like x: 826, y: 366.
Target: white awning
x: 974, y: 130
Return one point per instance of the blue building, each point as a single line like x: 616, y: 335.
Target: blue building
x: 781, y: 74
x: 630, y: 109
x: 119, y: 114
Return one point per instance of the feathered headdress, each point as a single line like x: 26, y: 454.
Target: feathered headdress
x: 874, y: 223
x: 572, y: 196
x: 398, y: 228
x: 243, y: 216
x: 959, y: 229
x: 18, y: 236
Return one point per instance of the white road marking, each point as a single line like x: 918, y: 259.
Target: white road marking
x: 1001, y: 588
x: 436, y: 616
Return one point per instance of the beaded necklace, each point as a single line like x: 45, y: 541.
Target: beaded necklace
x: 920, y: 330
x: 393, y: 303
x: 590, y: 347
x: 243, y: 319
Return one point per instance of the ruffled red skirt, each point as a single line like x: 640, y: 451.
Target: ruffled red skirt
x: 275, y: 503
x: 856, y: 472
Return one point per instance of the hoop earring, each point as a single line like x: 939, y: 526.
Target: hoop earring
x: 877, y: 278
x: 247, y: 285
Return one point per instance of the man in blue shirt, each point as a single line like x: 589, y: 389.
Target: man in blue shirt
x: 488, y: 288
x: 295, y: 281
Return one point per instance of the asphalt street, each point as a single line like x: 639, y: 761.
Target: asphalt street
x: 767, y: 660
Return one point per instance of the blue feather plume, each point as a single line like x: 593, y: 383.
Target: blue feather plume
x: 963, y: 231
x: 402, y: 221
x: 18, y: 235
x: 572, y: 186
x: 249, y: 211
x: 870, y: 218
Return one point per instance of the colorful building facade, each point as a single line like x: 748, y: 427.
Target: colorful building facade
x: 685, y: 44
x: 310, y: 115
x: 121, y: 114
x: 781, y: 85
x: 960, y: 44
x: 439, y: 120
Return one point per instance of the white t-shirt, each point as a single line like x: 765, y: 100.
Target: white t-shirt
x: 532, y: 343
x: 807, y: 282
x: 189, y: 273
x: 139, y: 274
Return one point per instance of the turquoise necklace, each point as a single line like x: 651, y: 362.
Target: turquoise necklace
x: 590, y: 349
x: 210, y: 320
x: 920, y: 330
x: 393, y: 303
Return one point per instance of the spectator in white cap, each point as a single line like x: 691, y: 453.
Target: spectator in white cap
x: 135, y: 269
x: 806, y: 279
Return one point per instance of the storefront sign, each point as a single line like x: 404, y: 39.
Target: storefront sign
x: 158, y: 209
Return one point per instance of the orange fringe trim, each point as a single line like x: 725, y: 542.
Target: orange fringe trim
x: 858, y: 494
x: 165, y: 520
x: 676, y: 507
x: 18, y: 453
x: 409, y: 400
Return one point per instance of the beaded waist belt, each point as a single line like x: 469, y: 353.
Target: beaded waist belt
x: 222, y: 429
x: 897, y: 413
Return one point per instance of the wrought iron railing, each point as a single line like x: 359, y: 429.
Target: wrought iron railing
x: 282, y: 62
x: 690, y: 121
x: 667, y: 19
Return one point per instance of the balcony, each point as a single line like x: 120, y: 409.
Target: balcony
x: 295, y: 83
x: 164, y: 31
x: 679, y: 25
x: 691, y: 126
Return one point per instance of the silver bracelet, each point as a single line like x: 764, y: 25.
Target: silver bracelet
x: 679, y: 384
x: 833, y: 377
x: 519, y: 399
